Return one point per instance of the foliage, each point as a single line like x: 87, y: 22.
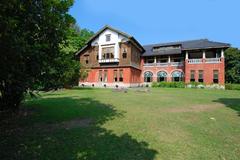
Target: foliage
x: 232, y: 65
x: 230, y: 86
x: 169, y: 84
x: 76, y: 39
x: 30, y: 38
x: 195, y: 85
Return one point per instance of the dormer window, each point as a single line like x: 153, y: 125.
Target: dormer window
x: 163, y: 48
x: 108, y: 37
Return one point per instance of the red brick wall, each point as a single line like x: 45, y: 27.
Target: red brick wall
x: 208, y: 69
x: 130, y: 75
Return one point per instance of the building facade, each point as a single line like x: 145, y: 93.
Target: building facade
x: 113, y: 58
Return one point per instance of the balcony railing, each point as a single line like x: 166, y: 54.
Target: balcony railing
x: 149, y: 64
x: 206, y: 60
x: 164, y: 64
x: 195, y: 61
x: 213, y: 60
x: 176, y: 63
x: 111, y: 60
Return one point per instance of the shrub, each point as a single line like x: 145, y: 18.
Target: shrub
x: 154, y: 84
x: 195, y: 85
x: 169, y: 84
x: 230, y: 86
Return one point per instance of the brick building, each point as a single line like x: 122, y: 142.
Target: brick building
x: 112, y: 58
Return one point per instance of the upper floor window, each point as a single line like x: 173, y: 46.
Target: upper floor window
x: 107, y: 52
x: 215, y: 76
x: 108, y: 37
x: 86, y: 57
x: 124, y: 55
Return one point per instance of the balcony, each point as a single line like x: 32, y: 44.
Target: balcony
x: 213, y: 60
x: 111, y: 60
x: 176, y: 63
x: 163, y: 64
x: 195, y: 61
x: 206, y: 60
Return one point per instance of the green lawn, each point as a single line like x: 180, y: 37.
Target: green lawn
x: 101, y: 124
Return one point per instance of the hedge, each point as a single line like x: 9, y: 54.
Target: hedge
x: 168, y: 84
x: 230, y: 86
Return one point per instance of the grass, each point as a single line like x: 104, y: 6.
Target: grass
x: 99, y: 124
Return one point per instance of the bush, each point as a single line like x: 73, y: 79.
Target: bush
x: 169, y: 84
x: 230, y: 86
x: 154, y: 84
x: 195, y: 85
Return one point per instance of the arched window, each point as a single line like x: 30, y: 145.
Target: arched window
x: 177, y: 76
x: 148, y: 76
x: 161, y: 76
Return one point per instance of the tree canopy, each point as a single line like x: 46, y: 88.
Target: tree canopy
x: 232, y: 66
x: 37, y: 42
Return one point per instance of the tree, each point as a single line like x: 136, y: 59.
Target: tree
x: 30, y: 38
x: 232, y: 59
x: 76, y: 39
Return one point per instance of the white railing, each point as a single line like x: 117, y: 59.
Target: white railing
x: 213, y: 60
x: 162, y: 64
x: 176, y: 63
x: 149, y: 64
x: 195, y: 61
x: 108, y: 60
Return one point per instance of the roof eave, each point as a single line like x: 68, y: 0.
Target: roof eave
x: 188, y: 49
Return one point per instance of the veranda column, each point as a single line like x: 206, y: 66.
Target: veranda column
x: 204, y: 56
x: 186, y: 55
x: 155, y: 60
x: 187, y: 72
x: 222, y: 53
x: 222, y: 69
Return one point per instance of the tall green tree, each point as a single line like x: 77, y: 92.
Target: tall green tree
x: 232, y: 59
x: 76, y: 39
x: 30, y: 38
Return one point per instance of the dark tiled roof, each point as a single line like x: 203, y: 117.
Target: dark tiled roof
x: 186, y: 45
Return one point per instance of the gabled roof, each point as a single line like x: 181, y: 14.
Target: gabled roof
x: 185, y: 45
x: 131, y: 38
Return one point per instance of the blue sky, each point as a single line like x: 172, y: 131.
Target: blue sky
x: 155, y: 21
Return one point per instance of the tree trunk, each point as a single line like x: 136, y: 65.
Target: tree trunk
x: 10, y: 97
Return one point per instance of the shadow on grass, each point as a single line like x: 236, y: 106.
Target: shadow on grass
x: 233, y: 103
x: 90, y: 142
